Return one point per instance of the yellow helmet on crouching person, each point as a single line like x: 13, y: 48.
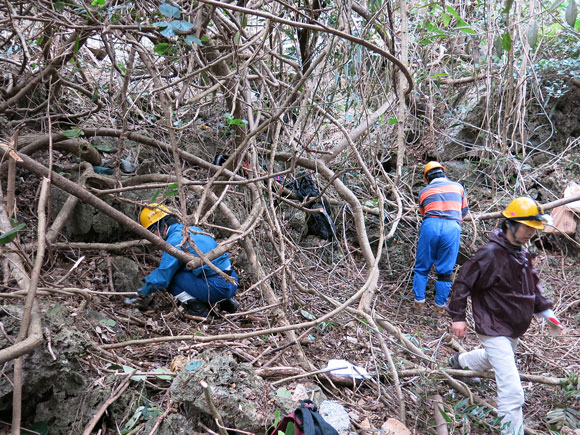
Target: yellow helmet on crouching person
x: 152, y: 214
x: 527, y: 211
x: 436, y: 167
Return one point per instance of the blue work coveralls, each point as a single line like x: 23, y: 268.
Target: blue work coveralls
x: 202, y: 283
x: 443, y: 205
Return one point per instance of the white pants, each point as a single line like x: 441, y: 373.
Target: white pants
x: 498, y: 353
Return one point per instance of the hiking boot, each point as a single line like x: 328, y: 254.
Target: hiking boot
x: 229, y: 305
x: 196, y: 308
x: 419, y: 306
x: 454, y: 362
x: 439, y: 310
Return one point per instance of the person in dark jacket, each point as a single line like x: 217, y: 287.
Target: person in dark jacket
x: 443, y: 205
x: 197, y: 290
x: 505, y: 293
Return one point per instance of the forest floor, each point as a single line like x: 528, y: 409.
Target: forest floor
x: 107, y: 324
x: 347, y: 337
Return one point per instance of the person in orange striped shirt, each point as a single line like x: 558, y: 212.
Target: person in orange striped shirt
x: 443, y: 205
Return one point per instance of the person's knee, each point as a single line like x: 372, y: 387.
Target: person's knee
x: 221, y: 291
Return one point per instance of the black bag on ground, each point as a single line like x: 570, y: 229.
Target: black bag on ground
x: 319, y: 224
x: 307, y: 421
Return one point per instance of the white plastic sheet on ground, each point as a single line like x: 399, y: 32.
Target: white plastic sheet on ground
x: 341, y: 367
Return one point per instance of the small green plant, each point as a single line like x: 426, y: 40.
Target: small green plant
x: 145, y: 412
x: 477, y: 414
x: 10, y: 235
x: 566, y: 413
x: 290, y: 429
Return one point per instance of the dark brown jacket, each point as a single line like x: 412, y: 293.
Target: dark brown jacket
x: 504, y: 288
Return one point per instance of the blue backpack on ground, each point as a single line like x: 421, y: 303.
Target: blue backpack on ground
x: 305, y: 420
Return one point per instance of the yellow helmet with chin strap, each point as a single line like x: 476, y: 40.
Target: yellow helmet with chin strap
x: 527, y: 211
x: 152, y: 214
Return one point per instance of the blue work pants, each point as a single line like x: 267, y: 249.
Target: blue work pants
x: 211, y: 289
x: 439, y: 244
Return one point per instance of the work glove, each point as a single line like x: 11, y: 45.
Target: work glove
x: 555, y: 328
x: 139, y: 300
x: 130, y: 300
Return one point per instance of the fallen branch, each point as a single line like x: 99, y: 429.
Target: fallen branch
x: 440, y: 424
x: 538, y: 379
x: 546, y: 207
x: 34, y: 331
x: 30, y: 310
x: 217, y: 417
x: 162, y: 417
x: 114, y: 396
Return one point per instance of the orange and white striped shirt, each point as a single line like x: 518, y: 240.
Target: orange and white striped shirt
x: 443, y: 199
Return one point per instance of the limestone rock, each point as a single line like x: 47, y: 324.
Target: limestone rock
x: 335, y: 415
x: 243, y: 399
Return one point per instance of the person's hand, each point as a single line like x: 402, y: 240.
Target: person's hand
x: 459, y: 329
x: 555, y: 328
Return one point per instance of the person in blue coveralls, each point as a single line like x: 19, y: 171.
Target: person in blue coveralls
x: 196, y: 290
x: 443, y: 205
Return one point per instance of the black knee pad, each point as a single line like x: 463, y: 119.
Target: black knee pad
x: 444, y: 278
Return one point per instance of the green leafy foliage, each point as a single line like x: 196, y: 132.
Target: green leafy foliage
x: 290, y: 429
x: 444, y: 24
x: 506, y: 41
x: 165, y: 49
x: 108, y: 322
x: 161, y: 376
x: 566, y: 413
x: 172, y: 190
x: 564, y: 416
x: 478, y: 414
x: 10, y: 235
x: 175, y: 27
x: 498, y: 46
x: 533, y: 33
x: 571, y: 13
x: 234, y: 121
x: 170, y: 11
x: 283, y: 392
x: 508, y: 6
x: 136, y: 378
x: 190, y: 40
x: 461, y: 24
x: 144, y: 412
x: 73, y: 133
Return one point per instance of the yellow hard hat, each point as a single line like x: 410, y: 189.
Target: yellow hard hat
x: 527, y: 211
x: 153, y: 213
x: 430, y: 166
